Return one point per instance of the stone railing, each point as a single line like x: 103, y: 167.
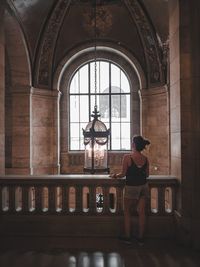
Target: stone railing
x: 79, y: 195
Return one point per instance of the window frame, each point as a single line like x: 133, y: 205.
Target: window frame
x: 110, y: 94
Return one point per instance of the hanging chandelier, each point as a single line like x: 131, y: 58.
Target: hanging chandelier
x: 96, y: 133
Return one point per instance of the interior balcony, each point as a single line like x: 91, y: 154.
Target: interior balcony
x: 80, y: 206
x: 75, y: 220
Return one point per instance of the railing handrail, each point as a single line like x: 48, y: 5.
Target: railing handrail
x: 82, y: 177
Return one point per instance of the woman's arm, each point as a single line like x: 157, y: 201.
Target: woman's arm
x: 124, y: 168
x: 147, y: 168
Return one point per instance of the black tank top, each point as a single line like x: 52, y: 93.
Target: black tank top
x: 136, y: 175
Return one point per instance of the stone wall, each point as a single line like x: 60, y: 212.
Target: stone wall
x: 45, y: 136
x: 18, y: 80
x: 155, y: 127
x: 19, y: 135
x: 2, y: 93
x: 185, y: 114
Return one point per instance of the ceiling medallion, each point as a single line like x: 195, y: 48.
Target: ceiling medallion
x: 104, y: 20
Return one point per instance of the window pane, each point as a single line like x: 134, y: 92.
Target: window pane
x: 115, y: 79
x: 115, y: 108
x: 92, y: 102
x: 125, y: 108
x: 104, y: 77
x: 124, y: 83
x: 115, y: 129
x: 82, y: 126
x: 74, y: 136
x: 125, y: 136
x: 74, y: 86
x: 84, y: 79
x: 104, y: 107
x: 98, y: 77
x: 92, y: 87
x: 74, y: 108
x: 84, y: 108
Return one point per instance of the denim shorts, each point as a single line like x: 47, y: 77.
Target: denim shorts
x: 135, y: 192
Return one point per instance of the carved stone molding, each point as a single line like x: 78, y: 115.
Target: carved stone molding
x: 44, y: 92
x: 148, y: 37
x: 165, y: 59
x: 149, y: 41
x: 45, y: 55
x: 154, y: 91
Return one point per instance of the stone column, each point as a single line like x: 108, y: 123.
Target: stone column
x: 185, y: 114
x: 45, y: 131
x: 2, y: 92
x: 155, y: 127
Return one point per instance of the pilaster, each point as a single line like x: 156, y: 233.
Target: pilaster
x: 155, y: 127
x: 45, y: 131
x: 185, y: 114
x: 2, y: 92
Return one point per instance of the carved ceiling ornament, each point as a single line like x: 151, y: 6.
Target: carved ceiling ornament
x: 149, y: 41
x: 104, y: 20
x: 147, y: 35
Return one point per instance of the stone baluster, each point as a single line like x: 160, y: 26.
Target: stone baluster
x: 106, y: 200
x: 11, y: 199
x: 25, y: 197
x: 161, y: 200
x: 52, y: 199
x: 38, y: 199
x: 65, y: 199
x: 173, y: 198
x: 119, y: 199
x: 79, y: 199
x: 92, y: 199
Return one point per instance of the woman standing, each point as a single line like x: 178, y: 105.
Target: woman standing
x: 135, y: 166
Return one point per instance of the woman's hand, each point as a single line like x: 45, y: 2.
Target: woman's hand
x: 113, y: 175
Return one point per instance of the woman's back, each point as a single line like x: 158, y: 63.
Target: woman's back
x: 136, y: 173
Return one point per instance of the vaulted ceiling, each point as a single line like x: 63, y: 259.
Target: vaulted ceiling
x: 53, y: 28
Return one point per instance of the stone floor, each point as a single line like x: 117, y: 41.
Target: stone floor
x: 90, y: 252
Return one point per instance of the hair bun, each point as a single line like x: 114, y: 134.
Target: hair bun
x: 140, y: 142
x: 147, y: 142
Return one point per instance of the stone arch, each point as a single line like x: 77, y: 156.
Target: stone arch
x: 155, y: 75
x: 67, y: 68
x: 85, y: 52
x: 20, y: 74
x: 47, y: 44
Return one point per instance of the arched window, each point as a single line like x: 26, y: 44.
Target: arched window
x: 112, y: 98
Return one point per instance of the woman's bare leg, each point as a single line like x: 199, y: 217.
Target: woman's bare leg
x: 128, y: 203
x: 142, y: 216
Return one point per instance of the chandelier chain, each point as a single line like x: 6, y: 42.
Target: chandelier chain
x: 95, y: 53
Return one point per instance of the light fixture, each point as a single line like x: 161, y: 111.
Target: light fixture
x: 96, y: 133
